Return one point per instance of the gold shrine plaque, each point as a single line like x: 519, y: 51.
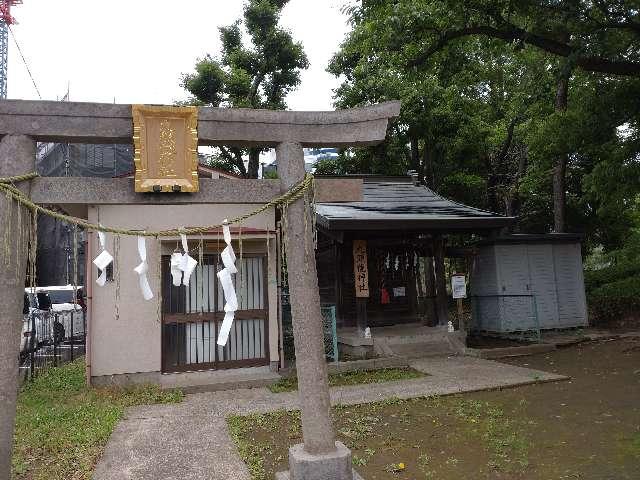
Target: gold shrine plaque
x: 165, y: 141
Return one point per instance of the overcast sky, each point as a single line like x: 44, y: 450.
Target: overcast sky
x: 134, y: 51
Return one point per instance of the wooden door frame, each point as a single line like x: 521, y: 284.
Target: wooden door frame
x: 216, y: 317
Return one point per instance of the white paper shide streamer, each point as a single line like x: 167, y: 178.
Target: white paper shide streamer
x: 102, y: 261
x: 182, y: 265
x: 226, y: 280
x: 142, y: 269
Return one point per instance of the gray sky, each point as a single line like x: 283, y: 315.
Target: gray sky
x: 135, y: 50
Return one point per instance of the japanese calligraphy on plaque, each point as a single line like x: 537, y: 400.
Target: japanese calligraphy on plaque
x: 165, y: 148
x: 360, y: 268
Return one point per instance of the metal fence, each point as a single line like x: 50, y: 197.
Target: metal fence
x: 328, y: 326
x: 50, y: 339
x: 330, y: 333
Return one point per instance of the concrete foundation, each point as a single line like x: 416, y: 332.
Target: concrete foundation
x: 351, y: 342
x: 195, y: 382
x: 361, y: 352
x: 286, y: 476
x: 335, y: 465
x: 126, y: 379
x: 417, y: 341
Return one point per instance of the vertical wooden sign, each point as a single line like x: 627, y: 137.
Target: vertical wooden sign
x: 360, y: 268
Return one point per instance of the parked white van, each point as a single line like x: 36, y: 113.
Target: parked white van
x: 62, y: 304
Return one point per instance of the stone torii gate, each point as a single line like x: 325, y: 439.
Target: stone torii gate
x: 23, y: 123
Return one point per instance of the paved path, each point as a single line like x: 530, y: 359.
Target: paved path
x: 190, y: 441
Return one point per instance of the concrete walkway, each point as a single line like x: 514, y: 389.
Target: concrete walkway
x: 190, y: 441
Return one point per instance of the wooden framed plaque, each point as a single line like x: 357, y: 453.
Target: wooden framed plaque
x: 165, y: 143
x: 361, y: 268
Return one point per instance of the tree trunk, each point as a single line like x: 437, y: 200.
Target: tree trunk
x: 415, y: 155
x: 512, y: 202
x: 254, y: 163
x: 560, y: 162
x: 492, y: 183
x: 427, y: 163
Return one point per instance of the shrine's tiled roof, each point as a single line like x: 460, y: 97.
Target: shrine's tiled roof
x: 398, y: 203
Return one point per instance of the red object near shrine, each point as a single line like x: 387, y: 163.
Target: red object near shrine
x: 384, y: 297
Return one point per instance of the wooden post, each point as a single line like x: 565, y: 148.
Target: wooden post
x: 337, y: 272
x: 461, y: 325
x: 441, y: 282
x: 17, y: 157
x: 417, y: 291
x: 361, y: 315
x: 431, y: 312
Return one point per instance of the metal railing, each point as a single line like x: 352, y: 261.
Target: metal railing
x: 330, y: 331
x: 328, y: 326
x: 50, y: 339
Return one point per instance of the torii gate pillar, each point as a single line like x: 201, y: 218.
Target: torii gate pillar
x: 17, y: 157
x: 320, y: 457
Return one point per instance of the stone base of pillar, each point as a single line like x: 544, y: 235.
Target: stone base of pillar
x: 331, y: 466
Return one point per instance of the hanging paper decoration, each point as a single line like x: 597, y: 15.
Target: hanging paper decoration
x: 182, y: 265
x: 397, y: 262
x: 226, y: 280
x: 142, y: 269
x: 102, y: 261
x: 188, y: 263
x: 176, y: 272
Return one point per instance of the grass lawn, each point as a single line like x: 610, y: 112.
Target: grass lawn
x: 353, y: 378
x: 62, y: 426
x: 587, y: 428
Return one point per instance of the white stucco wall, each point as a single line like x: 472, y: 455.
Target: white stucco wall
x: 132, y: 343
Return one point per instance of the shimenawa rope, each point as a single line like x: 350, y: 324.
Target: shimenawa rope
x: 6, y: 186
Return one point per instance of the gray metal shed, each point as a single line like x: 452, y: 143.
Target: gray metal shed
x: 525, y: 283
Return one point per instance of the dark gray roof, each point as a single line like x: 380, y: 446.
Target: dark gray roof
x: 397, y: 203
x: 519, y: 238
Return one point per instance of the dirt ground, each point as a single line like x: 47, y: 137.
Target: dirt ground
x: 493, y: 342
x: 585, y: 428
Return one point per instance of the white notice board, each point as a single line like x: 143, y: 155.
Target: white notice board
x: 458, y: 286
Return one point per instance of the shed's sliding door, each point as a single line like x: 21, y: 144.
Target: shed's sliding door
x: 543, y: 283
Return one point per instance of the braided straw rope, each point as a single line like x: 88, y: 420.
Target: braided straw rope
x: 6, y: 186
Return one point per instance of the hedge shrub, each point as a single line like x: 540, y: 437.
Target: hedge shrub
x: 617, y: 301
x: 596, y: 279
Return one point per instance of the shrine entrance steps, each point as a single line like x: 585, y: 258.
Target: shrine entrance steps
x: 416, y: 341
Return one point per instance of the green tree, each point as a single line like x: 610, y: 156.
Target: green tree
x: 462, y: 120
x: 491, y: 112
x: 256, y: 76
x: 593, y: 36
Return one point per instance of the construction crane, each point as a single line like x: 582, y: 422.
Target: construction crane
x: 5, y: 21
